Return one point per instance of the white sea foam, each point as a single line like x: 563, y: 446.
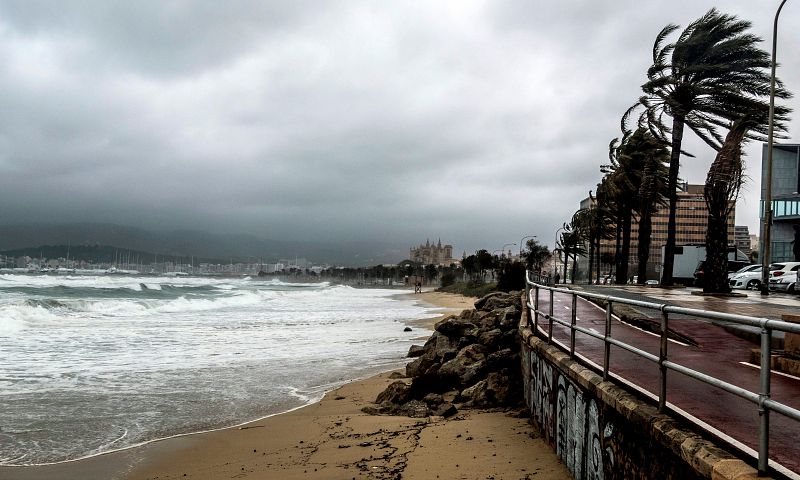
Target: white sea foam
x: 14, y: 318
x: 157, y: 356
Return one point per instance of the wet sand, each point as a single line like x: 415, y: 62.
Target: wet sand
x: 333, y: 439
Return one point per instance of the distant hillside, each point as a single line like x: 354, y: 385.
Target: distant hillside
x: 100, y: 254
x: 186, y: 243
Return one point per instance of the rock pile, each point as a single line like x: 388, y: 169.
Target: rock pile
x: 471, y: 360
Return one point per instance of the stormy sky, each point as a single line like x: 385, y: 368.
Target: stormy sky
x: 388, y: 122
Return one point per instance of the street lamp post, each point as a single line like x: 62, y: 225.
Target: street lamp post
x: 521, y: 243
x: 763, y: 413
x: 506, y: 245
x: 767, y: 228
x: 555, y: 244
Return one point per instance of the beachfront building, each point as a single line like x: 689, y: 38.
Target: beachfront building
x: 432, y: 254
x: 691, y: 222
x: 785, y: 232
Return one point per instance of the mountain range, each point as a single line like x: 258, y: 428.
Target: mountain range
x: 235, y: 247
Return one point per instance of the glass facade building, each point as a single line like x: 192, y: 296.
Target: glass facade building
x: 785, y: 199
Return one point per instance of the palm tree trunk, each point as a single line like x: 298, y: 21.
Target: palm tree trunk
x: 574, y: 266
x: 722, y: 185
x: 591, y: 257
x: 643, y: 253
x: 625, y: 251
x: 672, y: 192
x: 599, y: 266
x: 617, y: 247
x: 715, y: 279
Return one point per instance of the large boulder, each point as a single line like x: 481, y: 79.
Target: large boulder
x: 505, y: 358
x: 493, y: 391
x: 413, y: 409
x: 491, y: 339
x: 509, y: 317
x: 445, y: 347
x: 396, y: 392
x: 446, y: 410
x: 510, y: 340
x: 420, y: 365
x: 415, y: 351
x: 488, y: 320
x: 467, y: 367
x: 496, y: 300
x: 454, y: 326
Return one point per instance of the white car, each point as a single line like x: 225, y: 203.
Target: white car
x: 783, y: 276
x: 784, y: 283
x: 749, y: 277
x: 748, y: 268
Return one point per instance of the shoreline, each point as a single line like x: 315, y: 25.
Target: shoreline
x: 234, y: 451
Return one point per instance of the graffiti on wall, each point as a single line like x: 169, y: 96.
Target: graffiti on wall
x: 569, y: 420
x: 542, y: 399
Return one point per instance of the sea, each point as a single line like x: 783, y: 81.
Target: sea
x: 95, y: 363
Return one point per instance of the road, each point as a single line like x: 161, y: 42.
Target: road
x: 716, y: 353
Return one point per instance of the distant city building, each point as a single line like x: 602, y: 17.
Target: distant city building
x: 430, y: 254
x: 785, y: 200
x: 753, y: 242
x: 741, y: 237
x: 691, y: 223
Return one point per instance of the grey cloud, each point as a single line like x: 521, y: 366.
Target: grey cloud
x: 479, y: 122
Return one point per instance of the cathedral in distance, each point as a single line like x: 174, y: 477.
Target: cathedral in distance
x: 432, y: 254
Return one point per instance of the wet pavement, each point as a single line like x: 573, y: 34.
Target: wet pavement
x: 717, y: 352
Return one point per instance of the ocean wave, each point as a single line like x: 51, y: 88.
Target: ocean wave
x: 14, y: 318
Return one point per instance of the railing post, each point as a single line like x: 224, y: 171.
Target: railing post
x: 607, y: 352
x: 527, y: 290
x: 572, y: 328
x: 662, y: 357
x: 763, y: 411
x: 536, y: 310
x: 550, y: 321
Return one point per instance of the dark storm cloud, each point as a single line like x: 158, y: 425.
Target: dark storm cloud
x: 476, y: 122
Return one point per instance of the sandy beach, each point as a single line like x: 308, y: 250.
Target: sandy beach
x: 333, y: 439
x: 449, y: 303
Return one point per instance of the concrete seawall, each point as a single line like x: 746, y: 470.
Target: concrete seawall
x: 600, y: 431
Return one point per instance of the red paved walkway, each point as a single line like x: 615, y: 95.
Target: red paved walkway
x: 718, y: 354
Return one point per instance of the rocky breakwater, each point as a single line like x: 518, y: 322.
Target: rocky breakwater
x: 470, y: 361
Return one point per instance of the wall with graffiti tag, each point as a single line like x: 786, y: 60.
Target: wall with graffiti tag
x: 577, y: 414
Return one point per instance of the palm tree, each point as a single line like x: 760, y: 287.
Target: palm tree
x: 622, y: 184
x: 535, y: 254
x: 722, y: 186
x: 710, y: 76
x: 604, y: 219
x: 652, y: 192
x: 636, y: 180
x: 593, y: 224
x: 571, y: 243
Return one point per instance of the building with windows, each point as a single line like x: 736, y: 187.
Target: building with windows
x: 691, y: 223
x: 785, y: 232
x: 741, y: 237
x: 432, y: 254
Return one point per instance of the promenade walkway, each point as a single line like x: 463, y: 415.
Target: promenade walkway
x: 713, y: 350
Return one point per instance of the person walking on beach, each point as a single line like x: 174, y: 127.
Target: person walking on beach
x: 556, y: 278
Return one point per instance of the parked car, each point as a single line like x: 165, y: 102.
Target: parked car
x: 784, y: 283
x: 783, y: 276
x: 745, y: 269
x: 733, y: 266
x: 748, y: 277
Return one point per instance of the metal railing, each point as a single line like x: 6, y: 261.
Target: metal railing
x: 762, y: 399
